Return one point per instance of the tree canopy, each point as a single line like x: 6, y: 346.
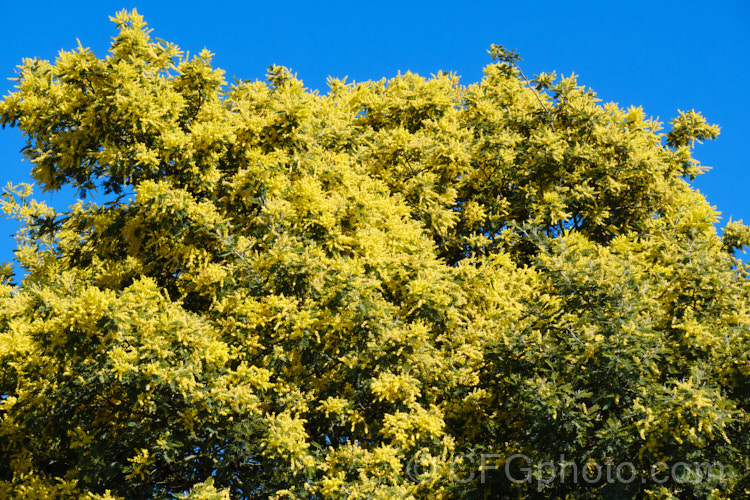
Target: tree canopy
x: 406, y: 288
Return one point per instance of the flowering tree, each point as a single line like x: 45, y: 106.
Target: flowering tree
x: 401, y: 289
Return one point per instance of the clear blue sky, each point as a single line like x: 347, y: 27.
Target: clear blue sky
x: 663, y: 56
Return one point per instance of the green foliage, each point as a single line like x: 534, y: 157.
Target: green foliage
x: 387, y: 291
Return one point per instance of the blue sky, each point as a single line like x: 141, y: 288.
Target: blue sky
x: 663, y: 56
